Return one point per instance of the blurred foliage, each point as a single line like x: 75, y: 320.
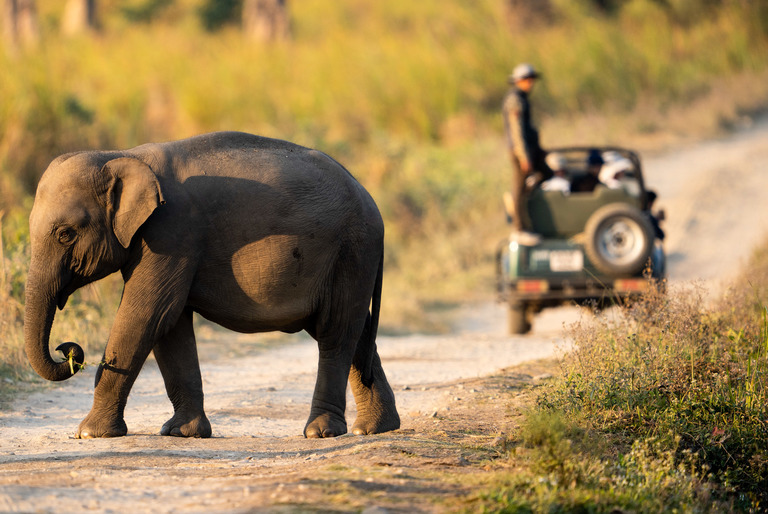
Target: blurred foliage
x: 144, y: 12
x: 216, y: 13
x: 354, y: 73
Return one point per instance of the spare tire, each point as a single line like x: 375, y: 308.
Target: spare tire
x: 619, y: 239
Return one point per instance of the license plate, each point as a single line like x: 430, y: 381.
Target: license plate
x: 566, y: 260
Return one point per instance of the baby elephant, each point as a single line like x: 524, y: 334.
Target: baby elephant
x: 252, y: 233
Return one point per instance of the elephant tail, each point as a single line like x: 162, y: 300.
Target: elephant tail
x: 376, y: 300
x: 373, y: 328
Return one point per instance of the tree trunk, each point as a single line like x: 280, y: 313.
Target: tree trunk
x: 79, y: 16
x: 20, y: 26
x: 266, y: 20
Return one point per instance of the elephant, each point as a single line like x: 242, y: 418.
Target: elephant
x: 252, y: 233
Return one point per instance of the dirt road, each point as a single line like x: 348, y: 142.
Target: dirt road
x: 453, y: 401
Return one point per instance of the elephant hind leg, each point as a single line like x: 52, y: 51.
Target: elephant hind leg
x: 176, y: 356
x: 345, y: 334
x: 376, y: 410
x: 337, y: 332
x: 326, y: 417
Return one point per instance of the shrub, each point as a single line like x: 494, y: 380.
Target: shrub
x: 661, y: 406
x: 216, y: 13
x: 557, y: 472
x: 672, y: 369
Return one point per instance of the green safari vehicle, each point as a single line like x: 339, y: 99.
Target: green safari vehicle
x: 599, y: 247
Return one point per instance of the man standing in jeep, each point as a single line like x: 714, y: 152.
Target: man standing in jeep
x: 523, y: 142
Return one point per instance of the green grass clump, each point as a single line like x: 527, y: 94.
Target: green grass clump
x: 660, y: 407
x: 559, y: 470
x: 679, y: 373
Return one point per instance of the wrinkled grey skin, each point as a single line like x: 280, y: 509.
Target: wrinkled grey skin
x: 254, y: 234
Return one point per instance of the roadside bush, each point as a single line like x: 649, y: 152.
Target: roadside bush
x: 691, y: 377
x: 557, y: 472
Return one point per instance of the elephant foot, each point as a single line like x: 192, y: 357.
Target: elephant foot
x: 325, y: 425
x: 181, y: 425
x: 365, y: 425
x: 91, y: 428
x: 376, y: 410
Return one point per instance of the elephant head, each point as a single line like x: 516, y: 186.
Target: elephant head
x: 86, y: 211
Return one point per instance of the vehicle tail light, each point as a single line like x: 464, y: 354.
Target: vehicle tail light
x: 630, y: 284
x: 532, y: 286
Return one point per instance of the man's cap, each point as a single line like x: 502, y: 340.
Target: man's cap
x: 523, y: 71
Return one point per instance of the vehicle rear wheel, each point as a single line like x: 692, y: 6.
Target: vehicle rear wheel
x: 518, y: 318
x: 619, y: 239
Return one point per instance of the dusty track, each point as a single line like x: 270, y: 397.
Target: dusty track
x: 453, y: 400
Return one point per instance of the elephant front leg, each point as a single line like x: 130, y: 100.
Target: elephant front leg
x: 106, y: 416
x: 152, y: 308
x: 114, y: 379
x: 176, y: 356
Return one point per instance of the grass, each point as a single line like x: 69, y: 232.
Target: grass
x: 555, y: 472
x: 663, y: 407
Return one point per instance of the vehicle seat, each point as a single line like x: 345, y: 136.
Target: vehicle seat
x: 557, y: 215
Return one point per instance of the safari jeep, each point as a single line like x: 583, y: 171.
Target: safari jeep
x: 595, y: 247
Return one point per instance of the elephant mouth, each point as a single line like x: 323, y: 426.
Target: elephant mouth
x: 61, y: 301
x: 66, y: 291
x: 76, y: 281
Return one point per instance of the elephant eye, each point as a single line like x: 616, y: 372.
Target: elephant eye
x: 66, y: 235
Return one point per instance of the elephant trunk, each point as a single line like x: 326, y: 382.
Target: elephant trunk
x: 38, y: 320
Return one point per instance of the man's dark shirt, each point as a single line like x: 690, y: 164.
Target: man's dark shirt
x: 522, y: 136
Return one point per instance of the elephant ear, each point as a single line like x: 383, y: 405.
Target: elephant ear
x: 133, y: 195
